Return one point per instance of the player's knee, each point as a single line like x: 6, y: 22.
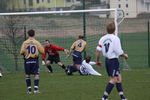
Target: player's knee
x: 113, y: 80
x: 47, y: 62
x: 27, y: 76
x: 36, y: 77
x: 59, y: 63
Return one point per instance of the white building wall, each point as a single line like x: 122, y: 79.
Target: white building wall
x: 129, y: 7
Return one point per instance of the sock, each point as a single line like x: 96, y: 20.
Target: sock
x: 73, y: 69
x: 120, y: 90
x: 108, y: 90
x: 28, y: 82
x: 36, y: 83
x: 50, y: 68
x: 64, y: 67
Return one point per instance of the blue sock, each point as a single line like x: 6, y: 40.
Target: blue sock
x: 28, y: 82
x: 109, y: 87
x: 120, y: 90
x: 36, y: 83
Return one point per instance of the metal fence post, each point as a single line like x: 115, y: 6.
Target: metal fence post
x: 148, y: 32
x: 84, y: 25
x: 25, y: 36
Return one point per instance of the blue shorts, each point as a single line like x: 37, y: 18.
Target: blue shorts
x: 112, y: 67
x: 31, y: 66
x: 77, y: 57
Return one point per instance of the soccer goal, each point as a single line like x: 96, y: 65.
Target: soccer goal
x: 60, y: 27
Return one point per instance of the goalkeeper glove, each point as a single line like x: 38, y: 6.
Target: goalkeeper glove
x: 43, y: 62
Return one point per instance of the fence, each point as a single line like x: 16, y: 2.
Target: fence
x: 63, y: 29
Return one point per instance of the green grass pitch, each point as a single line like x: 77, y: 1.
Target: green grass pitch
x: 58, y: 86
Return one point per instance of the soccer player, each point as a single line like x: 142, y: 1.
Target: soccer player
x: 111, y: 49
x: 87, y: 69
x: 30, y: 49
x: 76, y: 49
x: 53, y: 55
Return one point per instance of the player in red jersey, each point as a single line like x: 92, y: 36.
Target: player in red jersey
x: 53, y: 55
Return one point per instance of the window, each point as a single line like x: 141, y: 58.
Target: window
x: 48, y: 1
x: 127, y: 5
x: 24, y: 2
x: 37, y: 1
x: 119, y: 6
x: 30, y: 3
x: 68, y: 0
x: 127, y: 14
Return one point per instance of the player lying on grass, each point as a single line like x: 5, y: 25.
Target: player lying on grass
x: 111, y: 48
x: 30, y: 49
x: 85, y: 68
x: 53, y: 55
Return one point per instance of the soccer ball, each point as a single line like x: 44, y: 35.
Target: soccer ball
x: 1, y: 75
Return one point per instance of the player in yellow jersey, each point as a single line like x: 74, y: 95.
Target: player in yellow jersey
x: 31, y: 49
x: 76, y: 49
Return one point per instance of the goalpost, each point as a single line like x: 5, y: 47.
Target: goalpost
x: 60, y: 27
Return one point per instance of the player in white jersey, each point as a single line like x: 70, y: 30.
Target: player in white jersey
x: 87, y: 69
x: 110, y: 47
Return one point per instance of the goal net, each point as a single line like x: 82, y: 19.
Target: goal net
x: 61, y: 28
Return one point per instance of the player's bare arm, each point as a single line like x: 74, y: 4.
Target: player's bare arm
x: 97, y: 58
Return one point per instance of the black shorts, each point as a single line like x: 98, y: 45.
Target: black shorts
x: 54, y: 58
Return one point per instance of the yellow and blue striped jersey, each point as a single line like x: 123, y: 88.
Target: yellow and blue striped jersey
x: 31, y: 48
x: 79, y: 45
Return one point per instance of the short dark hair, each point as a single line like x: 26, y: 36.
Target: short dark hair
x: 111, y: 28
x: 88, y: 59
x: 47, y: 41
x: 81, y: 37
x: 31, y: 33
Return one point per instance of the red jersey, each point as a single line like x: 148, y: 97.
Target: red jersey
x: 51, y: 50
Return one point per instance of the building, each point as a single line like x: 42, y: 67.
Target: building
x: 132, y: 8
x: 37, y: 5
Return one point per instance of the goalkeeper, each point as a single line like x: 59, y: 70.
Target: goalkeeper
x: 53, y: 55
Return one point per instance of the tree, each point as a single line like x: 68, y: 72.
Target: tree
x: 3, y: 5
x: 12, y: 33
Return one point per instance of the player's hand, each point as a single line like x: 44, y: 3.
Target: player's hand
x: 125, y: 56
x: 43, y: 63
x: 67, y: 53
x: 99, y: 64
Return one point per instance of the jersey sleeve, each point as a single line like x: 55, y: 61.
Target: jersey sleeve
x: 22, y: 50
x: 117, y: 47
x: 40, y: 48
x: 73, y: 46
x: 57, y: 48
x: 92, y: 63
x: 99, y: 46
x: 44, y: 55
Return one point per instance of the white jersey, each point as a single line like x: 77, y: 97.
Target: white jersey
x: 87, y: 69
x: 110, y: 46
